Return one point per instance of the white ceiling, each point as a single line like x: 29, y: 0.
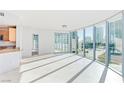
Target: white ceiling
x: 54, y: 19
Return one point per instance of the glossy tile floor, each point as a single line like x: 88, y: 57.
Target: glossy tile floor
x: 60, y: 68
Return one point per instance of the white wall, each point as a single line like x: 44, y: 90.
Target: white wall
x: 46, y: 41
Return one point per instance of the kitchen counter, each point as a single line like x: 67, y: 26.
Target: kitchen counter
x: 9, y: 50
x: 9, y: 59
x: 7, y: 43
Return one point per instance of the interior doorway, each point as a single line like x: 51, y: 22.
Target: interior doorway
x: 35, y: 49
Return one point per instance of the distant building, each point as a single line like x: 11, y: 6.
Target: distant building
x: 116, y: 34
x: 99, y: 35
x: 88, y: 39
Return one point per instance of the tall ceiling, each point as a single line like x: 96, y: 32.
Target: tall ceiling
x: 54, y: 19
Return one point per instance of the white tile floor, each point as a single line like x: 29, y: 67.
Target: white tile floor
x: 91, y: 75
x: 54, y: 68
x: 10, y: 77
x: 66, y: 73
x: 113, y: 77
x: 42, y: 62
x: 41, y: 71
x: 39, y: 57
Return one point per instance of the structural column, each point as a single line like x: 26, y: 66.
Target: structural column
x: 83, y: 42
x: 123, y: 43
x: 94, y: 43
x: 70, y: 42
x: 76, y: 42
x: 107, y: 55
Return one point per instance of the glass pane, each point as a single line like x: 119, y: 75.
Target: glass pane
x: 35, y: 42
x: 61, y: 42
x: 89, y: 42
x: 115, y: 42
x: 35, y: 45
x: 80, y: 42
x: 100, y: 42
x: 73, y: 41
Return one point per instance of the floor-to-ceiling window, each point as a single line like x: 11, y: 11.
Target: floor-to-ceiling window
x: 80, y: 42
x: 100, y: 42
x: 89, y: 42
x: 65, y: 42
x: 115, y: 42
x: 73, y: 42
x: 61, y: 42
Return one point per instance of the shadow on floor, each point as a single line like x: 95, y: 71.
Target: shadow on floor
x: 103, y: 77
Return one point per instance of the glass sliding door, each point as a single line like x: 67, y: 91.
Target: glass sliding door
x: 100, y: 42
x: 89, y: 42
x: 115, y: 42
x: 80, y: 42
